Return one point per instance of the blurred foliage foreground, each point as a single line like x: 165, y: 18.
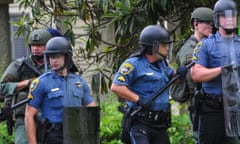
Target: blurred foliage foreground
x: 110, y: 126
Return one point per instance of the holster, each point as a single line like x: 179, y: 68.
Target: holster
x: 196, y: 101
x: 212, y: 101
x: 126, y: 125
x: 195, y: 122
x: 41, y: 129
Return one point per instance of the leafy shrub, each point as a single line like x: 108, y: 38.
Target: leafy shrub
x: 4, y: 137
x: 110, y: 124
x: 180, y: 132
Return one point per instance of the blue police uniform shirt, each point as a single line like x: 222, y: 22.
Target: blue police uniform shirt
x: 214, y: 52
x: 145, y: 80
x: 51, y: 93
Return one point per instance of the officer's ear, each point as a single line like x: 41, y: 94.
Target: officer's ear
x: 195, y: 24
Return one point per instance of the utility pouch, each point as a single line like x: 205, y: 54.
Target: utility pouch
x: 197, y: 100
x: 126, y: 125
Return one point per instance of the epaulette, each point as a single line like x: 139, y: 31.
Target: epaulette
x: 19, y: 61
x: 44, y: 74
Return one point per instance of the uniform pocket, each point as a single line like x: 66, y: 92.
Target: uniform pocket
x: 77, y: 97
x: 55, y: 99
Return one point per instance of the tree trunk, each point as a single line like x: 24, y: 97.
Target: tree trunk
x: 5, y: 42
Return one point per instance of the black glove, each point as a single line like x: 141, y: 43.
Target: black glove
x: 182, y: 71
x: 142, y: 102
x: 230, y: 67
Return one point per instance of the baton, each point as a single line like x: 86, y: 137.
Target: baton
x: 20, y: 103
x: 161, y: 90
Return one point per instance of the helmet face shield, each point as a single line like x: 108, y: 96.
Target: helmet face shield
x: 226, y: 11
x: 228, y: 19
x: 155, y: 47
x: 161, y: 50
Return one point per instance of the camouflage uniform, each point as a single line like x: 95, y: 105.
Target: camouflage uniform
x: 184, y: 57
x: 15, y: 73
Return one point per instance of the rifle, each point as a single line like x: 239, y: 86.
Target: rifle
x: 160, y: 91
x: 7, y: 111
x: 30, y: 67
x: 6, y: 114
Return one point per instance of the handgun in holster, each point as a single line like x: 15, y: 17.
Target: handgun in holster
x: 196, y: 102
x: 126, y: 124
x: 41, y: 129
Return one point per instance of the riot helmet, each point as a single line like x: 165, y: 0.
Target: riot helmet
x: 54, y: 32
x: 202, y: 14
x: 59, y: 45
x: 227, y: 9
x: 151, y: 37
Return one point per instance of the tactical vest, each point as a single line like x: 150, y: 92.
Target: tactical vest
x: 22, y: 73
x: 182, y: 90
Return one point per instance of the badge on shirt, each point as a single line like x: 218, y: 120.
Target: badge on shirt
x: 78, y: 84
x: 126, y: 68
x: 196, y: 50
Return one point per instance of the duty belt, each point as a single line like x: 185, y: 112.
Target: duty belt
x: 153, y: 115
x: 214, y: 101
x: 54, y: 126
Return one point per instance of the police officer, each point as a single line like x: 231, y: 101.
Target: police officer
x: 17, y: 77
x: 139, y: 78
x: 202, y: 25
x: 53, y: 91
x: 211, y: 55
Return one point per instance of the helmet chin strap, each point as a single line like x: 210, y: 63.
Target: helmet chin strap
x: 60, y: 69
x: 229, y: 31
x: 37, y: 57
x: 159, y: 56
x: 63, y: 66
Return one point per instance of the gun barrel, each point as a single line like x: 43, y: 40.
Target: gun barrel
x: 20, y: 103
x: 32, y: 68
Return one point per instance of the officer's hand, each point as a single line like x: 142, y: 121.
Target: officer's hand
x: 142, y: 102
x: 230, y: 67
x: 182, y: 71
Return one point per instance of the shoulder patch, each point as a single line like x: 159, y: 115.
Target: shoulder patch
x: 34, y: 84
x: 121, y: 79
x: 126, y: 68
x: 196, y: 50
